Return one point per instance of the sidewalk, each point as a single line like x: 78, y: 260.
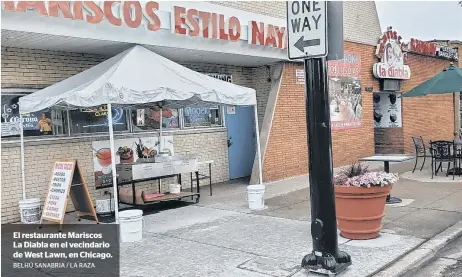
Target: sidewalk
x: 221, y: 237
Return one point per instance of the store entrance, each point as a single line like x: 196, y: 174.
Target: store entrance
x: 241, y: 140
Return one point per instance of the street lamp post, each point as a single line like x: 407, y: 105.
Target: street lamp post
x: 325, y: 258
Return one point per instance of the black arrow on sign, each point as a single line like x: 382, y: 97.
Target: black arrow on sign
x: 302, y: 43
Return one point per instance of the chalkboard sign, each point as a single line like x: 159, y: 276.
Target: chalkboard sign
x: 67, y: 181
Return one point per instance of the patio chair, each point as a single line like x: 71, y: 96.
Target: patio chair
x: 420, y: 151
x: 442, y: 152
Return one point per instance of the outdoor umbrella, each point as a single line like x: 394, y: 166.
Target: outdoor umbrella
x: 447, y: 81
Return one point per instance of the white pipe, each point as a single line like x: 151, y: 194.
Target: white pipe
x: 23, y: 173
x: 160, y: 136
x: 257, y: 132
x: 113, y: 164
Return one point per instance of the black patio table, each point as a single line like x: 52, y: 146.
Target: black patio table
x: 387, y: 159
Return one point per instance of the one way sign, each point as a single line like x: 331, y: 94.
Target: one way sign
x: 307, y: 29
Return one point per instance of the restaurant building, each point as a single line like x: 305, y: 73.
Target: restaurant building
x: 245, y: 43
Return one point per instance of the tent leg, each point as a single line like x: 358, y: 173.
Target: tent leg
x: 113, y: 165
x: 23, y: 173
x: 257, y: 134
x: 456, y: 128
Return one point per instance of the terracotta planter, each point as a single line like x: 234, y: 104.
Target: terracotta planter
x: 360, y: 211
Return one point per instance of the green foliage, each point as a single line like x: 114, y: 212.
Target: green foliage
x: 355, y: 169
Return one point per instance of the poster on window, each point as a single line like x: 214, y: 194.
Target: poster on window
x: 128, y: 151
x: 387, y: 110
x: 36, y: 123
x: 345, y: 92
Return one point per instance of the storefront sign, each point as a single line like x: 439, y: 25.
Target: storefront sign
x: 448, y: 53
x: 390, y: 51
x: 137, y: 14
x: 387, y: 110
x: 345, y: 92
x: 224, y: 77
x: 422, y: 47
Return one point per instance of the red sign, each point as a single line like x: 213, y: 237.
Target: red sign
x: 422, y: 47
x: 349, y: 66
x: 190, y: 22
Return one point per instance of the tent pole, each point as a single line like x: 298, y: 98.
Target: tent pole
x: 23, y: 173
x: 257, y: 134
x: 160, y: 128
x: 456, y: 129
x: 113, y: 165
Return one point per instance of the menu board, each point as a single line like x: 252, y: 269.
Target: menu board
x: 55, y: 203
x: 387, y: 110
x: 67, y: 180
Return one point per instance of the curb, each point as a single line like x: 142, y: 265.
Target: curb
x: 422, y: 254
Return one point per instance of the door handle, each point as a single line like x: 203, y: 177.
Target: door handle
x: 230, y: 142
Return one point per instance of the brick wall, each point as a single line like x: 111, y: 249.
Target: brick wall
x: 432, y: 116
x: 389, y: 140
x: 287, y: 153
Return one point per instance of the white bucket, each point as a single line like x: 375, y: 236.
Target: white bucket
x: 31, y: 210
x: 174, y: 188
x: 255, y: 197
x: 131, y: 225
x: 105, y: 206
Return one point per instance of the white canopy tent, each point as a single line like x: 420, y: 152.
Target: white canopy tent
x: 137, y: 76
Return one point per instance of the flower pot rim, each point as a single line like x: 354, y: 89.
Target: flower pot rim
x: 352, y: 189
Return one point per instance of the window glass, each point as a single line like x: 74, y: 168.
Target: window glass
x: 44, y: 122
x: 202, y: 116
x: 148, y: 119
x: 94, y: 120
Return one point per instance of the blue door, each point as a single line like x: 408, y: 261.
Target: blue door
x: 241, y: 140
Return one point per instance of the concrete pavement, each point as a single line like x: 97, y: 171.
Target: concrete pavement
x: 221, y: 237
x: 447, y: 263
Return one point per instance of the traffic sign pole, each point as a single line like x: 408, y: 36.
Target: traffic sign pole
x: 313, y: 37
x: 325, y: 258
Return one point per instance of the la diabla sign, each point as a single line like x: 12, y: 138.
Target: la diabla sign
x: 390, y: 51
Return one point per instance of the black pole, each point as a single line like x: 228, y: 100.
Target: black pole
x: 325, y: 258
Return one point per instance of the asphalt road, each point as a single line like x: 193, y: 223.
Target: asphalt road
x: 447, y: 263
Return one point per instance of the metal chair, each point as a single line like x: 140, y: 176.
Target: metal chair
x: 442, y: 151
x: 420, y: 151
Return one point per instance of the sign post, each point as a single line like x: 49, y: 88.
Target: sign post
x: 307, y: 26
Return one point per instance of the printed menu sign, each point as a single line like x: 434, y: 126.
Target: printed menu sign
x: 55, y: 203
x: 67, y: 181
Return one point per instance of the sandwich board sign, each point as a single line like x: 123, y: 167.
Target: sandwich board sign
x: 67, y: 181
x: 307, y: 29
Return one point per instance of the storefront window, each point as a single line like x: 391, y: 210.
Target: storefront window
x: 94, y: 120
x: 148, y: 119
x: 45, y: 122
x: 202, y: 116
